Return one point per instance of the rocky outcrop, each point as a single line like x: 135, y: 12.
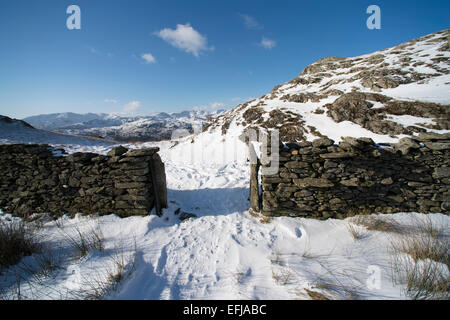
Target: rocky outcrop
x: 303, y: 97
x: 126, y: 183
x: 357, y: 107
x: 321, y: 179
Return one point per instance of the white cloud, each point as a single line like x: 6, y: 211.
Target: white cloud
x: 185, y: 38
x: 250, y: 22
x: 267, y: 43
x: 217, y: 105
x: 93, y: 50
x: 214, y: 106
x: 132, y: 106
x: 111, y: 101
x: 100, y: 53
x: 239, y: 99
x: 148, y: 58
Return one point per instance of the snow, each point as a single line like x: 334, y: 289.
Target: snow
x: 209, y: 148
x: 436, y: 90
x: 14, y: 133
x: 227, y: 255
x: 407, y: 120
x: 223, y: 253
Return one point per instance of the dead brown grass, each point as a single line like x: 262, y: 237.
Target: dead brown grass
x: 265, y: 220
x: 377, y: 223
x: 355, y: 231
x: 17, y: 240
x: 420, y: 261
x: 283, y: 277
x: 314, y: 295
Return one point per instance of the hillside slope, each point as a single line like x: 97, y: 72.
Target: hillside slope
x: 385, y: 95
x: 18, y: 131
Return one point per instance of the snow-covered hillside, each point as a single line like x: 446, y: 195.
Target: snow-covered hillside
x: 385, y: 95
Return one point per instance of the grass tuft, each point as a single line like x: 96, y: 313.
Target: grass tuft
x: 84, y: 242
x: 17, y: 240
x: 283, y: 277
x: 375, y: 223
x: 338, y: 291
x: 265, y: 220
x: 420, y: 262
x: 355, y: 231
x: 314, y: 295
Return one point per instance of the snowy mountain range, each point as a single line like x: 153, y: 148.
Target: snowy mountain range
x: 156, y: 127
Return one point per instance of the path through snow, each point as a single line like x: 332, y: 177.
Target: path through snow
x: 224, y: 252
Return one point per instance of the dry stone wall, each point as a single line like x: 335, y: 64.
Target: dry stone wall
x: 321, y: 179
x: 126, y: 183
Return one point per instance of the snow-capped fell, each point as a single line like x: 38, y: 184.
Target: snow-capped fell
x: 385, y: 95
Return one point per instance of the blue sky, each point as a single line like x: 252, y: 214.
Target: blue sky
x: 141, y: 57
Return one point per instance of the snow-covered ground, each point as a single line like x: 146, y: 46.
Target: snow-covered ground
x: 224, y: 252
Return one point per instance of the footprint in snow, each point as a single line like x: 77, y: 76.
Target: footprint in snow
x: 287, y: 231
x: 298, y: 232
